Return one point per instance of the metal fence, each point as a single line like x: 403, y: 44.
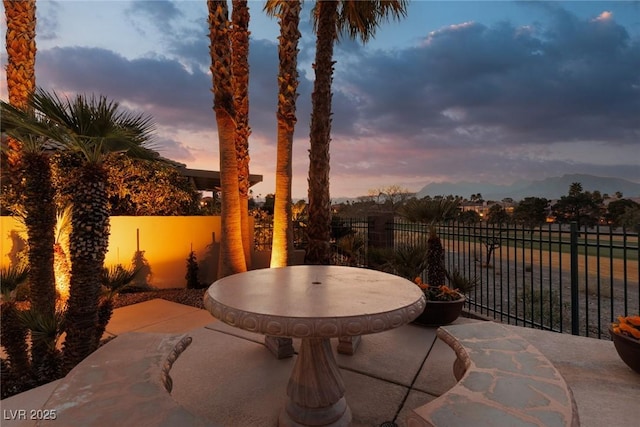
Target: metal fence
x: 552, y: 277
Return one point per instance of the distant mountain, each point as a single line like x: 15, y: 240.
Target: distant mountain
x: 549, y: 188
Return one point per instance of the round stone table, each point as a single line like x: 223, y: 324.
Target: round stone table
x: 315, y: 303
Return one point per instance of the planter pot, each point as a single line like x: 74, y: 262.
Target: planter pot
x: 438, y: 313
x: 628, y: 349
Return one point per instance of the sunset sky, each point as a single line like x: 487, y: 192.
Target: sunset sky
x: 457, y: 91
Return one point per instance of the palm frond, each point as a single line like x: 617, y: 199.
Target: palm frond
x: 361, y: 19
x: 63, y: 225
x: 33, y: 130
x: 92, y: 126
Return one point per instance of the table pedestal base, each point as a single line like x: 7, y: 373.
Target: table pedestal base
x: 349, y: 345
x: 279, y: 346
x: 316, y: 388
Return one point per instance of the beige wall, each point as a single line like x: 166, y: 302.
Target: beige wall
x: 166, y: 242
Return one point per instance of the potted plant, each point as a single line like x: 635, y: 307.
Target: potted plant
x: 445, y: 293
x: 444, y: 304
x: 625, y: 334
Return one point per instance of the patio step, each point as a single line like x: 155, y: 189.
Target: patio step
x: 124, y: 383
x: 502, y: 380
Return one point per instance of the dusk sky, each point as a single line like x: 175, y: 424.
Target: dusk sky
x: 457, y: 91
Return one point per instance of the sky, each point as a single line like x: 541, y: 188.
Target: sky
x: 478, y: 91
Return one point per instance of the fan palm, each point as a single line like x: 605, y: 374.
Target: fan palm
x: 288, y: 13
x: 91, y: 127
x: 332, y: 18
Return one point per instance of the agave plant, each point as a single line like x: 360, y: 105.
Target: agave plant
x: 45, y: 333
x: 13, y: 334
x: 408, y: 261
x: 114, y: 280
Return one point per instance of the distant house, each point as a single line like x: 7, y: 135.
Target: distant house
x: 482, y: 208
x: 205, y: 180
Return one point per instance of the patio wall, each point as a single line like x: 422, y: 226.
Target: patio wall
x: 164, y: 241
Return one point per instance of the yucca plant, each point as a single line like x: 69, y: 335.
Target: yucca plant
x: 436, y: 272
x: 431, y: 211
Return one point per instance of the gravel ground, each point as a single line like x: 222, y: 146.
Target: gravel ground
x: 191, y: 297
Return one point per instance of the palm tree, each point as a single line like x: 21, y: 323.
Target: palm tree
x: 240, y: 81
x: 232, y: 254
x: 288, y: 13
x: 91, y: 128
x: 331, y: 18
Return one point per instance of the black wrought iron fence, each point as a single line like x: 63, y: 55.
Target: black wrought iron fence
x: 552, y: 277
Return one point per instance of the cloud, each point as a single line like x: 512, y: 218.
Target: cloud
x: 468, y: 100
x: 160, y: 86
x: 174, y: 150
x: 161, y: 15
x: 578, y: 80
x: 47, y: 17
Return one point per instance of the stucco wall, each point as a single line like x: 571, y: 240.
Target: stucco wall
x: 165, y: 241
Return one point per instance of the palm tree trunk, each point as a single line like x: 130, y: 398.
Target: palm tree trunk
x: 40, y: 220
x: 240, y: 73
x: 232, y: 254
x: 88, y: 244
x: 282, y: 247
x: 21, y: 58
x: 319, y: 229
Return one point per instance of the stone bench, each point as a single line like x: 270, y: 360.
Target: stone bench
x: 124, y: 383
x: 502, y: 380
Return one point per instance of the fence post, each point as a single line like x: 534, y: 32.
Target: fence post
x: 575, y: 318
x: 380, y: 235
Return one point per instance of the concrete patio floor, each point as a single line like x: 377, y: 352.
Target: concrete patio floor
x: 228, y: 376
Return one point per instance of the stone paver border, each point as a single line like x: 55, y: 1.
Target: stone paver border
x: 126, y: 382
x: 502, y: 380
